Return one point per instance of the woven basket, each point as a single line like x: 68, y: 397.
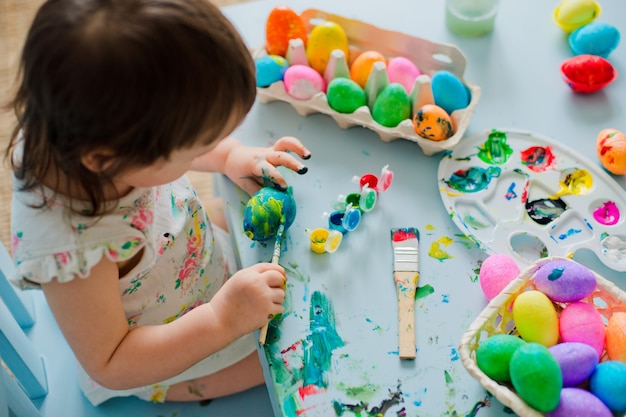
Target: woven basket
x: 497, y: 318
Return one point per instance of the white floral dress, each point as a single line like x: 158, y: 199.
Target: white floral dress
x: 184, y: 262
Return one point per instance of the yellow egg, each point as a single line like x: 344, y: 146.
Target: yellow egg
x: 362, y: 66
x: 432, y: 122
x: 611, y: 150
x: 572, y: 14
x: 535, y: 318
x: 323, y: 39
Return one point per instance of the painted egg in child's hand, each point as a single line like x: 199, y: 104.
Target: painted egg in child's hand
x: 283, y: 24
x: 266, y: 210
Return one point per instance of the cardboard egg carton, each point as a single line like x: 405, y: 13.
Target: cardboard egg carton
x: 428, y: 56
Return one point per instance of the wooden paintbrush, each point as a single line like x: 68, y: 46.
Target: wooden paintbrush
x: 406, y: 274
x: 275, y: 258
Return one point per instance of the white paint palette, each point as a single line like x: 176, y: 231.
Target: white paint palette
x: 528, y: 196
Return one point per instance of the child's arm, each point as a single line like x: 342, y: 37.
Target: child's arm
x: 90, y: 314
x: 248, y: 167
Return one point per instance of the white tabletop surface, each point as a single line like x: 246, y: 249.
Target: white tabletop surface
x: 517, y: 68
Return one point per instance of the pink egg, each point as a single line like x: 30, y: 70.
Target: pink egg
x: 302, y: 82
x: 581, y: 322
x: 403, y: 71
x: 495, y: 274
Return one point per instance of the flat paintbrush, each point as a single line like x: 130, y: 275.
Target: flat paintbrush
x: 405, y: 273
x: 275, y: 258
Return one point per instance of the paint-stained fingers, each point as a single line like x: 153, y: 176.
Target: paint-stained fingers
x: 291, y: 144
x: 287, y: 160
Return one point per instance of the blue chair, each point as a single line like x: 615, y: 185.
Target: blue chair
x: 38, y: 369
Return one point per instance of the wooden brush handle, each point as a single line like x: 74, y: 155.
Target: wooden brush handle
x: 263, y: 334
x: 406, y: 285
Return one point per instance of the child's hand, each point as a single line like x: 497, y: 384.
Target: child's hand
x: 250, y: 298
x: 253, y: 167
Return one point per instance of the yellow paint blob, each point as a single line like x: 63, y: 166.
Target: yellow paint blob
x: 436, y: 251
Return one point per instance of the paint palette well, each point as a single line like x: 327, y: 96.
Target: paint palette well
x: 528, y: 196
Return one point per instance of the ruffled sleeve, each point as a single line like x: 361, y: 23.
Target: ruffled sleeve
x: 55, y: 243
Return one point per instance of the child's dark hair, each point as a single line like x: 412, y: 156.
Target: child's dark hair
x: 140, y: 78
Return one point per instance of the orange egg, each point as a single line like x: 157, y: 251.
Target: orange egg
x: 611, y: 150
x: 362, y: 66
x: 616, y: 337
x: 283, y: 24
x: 432, y: 122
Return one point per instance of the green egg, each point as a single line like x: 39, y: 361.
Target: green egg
x: 392, y: 105
x: 494, y: 355
x: 345, y: 95
x: 536, y: 376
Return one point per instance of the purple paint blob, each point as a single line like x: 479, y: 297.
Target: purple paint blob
x: 607, y: 214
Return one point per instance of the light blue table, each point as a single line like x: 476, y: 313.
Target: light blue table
x: 346, y: 302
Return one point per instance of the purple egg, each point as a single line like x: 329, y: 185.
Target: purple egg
x: 565, y: 281
x: 576, y: 360
x: 578, y: 402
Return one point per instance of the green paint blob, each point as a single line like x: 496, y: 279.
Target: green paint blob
x: 495, y: 150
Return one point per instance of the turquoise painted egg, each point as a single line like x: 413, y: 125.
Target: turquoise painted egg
x: 564, y: 280
x: 608, y: 383
x: 266, y: 210
x: 536, y: 376
x: 270, y: 69
x: 493, y: 355
x: 392, y: 106
x: 449, y: 91
x: 578, y: 402
x: 594, y: 39
x: 345, y: 95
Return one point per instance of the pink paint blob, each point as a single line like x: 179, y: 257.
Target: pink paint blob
x: 607, y: 214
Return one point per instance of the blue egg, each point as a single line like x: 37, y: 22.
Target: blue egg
x: 594, y: 39
x: 608, y: 383
x: 449, y: 91
x: 266, y: 210
x: 270, y: 69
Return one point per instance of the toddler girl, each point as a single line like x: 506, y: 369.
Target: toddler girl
x: 116, y: 100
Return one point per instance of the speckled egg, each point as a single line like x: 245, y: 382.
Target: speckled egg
x: 266, y: 210
x: 303, y: 82
x: 362, y: 66
x: 270, y: 69
x: 345, y: 95
x: 535, y: 318
x: 572, y: 14
x: 564, y: 280
x: 432, y: 122
x: 282, y: 25
x: 403, y: 71
x: 493, y: 355
x: 616, y: 337
x: 578, y: 402
x: 536, y: 376
x: 581, y: 322
x: 576, y: 360
x: 449, y: 91
x: 595, y: 39
x: 608, y: 383
x: 323, y: 39
x: 611, y: 150
x: 392, y: 105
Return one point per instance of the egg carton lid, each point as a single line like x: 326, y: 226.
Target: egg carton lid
x: 428, y: 56
x: 497, y: 318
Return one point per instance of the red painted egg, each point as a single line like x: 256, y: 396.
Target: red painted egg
x: 587, y: 73
x: 283, y: 24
